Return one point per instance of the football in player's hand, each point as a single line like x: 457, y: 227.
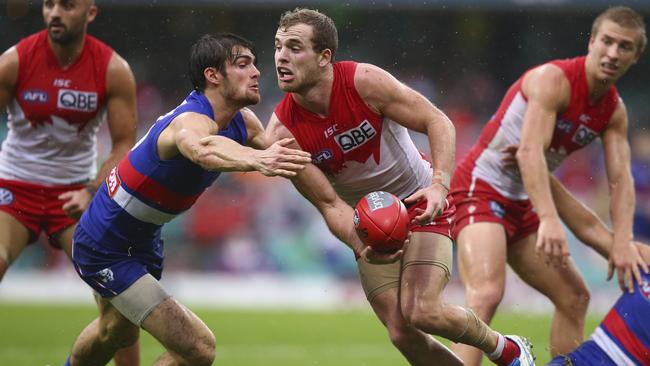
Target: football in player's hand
x: 381, y: 221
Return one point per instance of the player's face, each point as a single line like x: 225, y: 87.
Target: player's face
x: 296, y: 62
x: 66, y: 20
x: 612, y: 50
x: 241, y: 83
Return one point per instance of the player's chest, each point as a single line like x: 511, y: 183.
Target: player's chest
x: 72, y: 97
x: 576, y: 129
x: 335, y: 141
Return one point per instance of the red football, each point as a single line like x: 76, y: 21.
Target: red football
x: 381, y: 221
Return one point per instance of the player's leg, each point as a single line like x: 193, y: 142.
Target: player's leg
x: 14, y: 237
x: 187, y: 339
x: 481, y: 251
x: 130, y: 354
x: 381, y: 284
x: 564, y: 286
x: 98, y: 342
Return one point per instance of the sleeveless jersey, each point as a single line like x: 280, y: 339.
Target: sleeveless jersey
x: 143, y: 192
x: 575, y: 128
x: 55, y: 114
x: 359, y: 150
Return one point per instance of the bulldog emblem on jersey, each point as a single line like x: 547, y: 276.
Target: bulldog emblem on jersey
x: 644, y: 287
x: 113, y: 182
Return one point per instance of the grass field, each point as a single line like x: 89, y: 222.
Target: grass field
x: 38, y: 335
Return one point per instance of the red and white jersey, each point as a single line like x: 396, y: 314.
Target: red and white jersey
x: 575, y: 128
x: 359, y: 150
x: 55, y: 114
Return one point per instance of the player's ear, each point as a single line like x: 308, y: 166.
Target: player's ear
x: 92, y: 13
x: 325, y: 57
x: 212, y: 76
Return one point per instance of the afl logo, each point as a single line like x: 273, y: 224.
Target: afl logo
x: 35, y: 96
x: 6, y: 197
x: 322, y: 156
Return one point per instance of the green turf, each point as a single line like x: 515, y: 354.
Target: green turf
x: 38, y: 335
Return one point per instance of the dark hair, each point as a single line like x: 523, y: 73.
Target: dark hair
x: 626, y: 18
x: 325, y: 34
x: 213, y: 51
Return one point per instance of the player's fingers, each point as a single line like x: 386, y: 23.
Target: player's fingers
x: 414, y: 197
x: 621, y: 279
x: 66, y: 195
x: 290, y: 166
x: 285, y: 141
x: 281, y: 173
x: 610, y: 270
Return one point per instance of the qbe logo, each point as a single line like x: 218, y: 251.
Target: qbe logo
x: 584, y: 135
x: 77, y: 100
x: 355, y: 137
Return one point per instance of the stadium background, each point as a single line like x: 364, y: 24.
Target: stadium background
x: 253, y: 242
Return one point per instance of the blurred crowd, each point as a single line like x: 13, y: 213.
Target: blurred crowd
x: 462, y: 60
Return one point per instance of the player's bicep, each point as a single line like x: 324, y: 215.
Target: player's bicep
x: 254, y: 129
x: 276, y: 131
x: 393, y: 99
x: 548, y: 92
x: 121, y: 101
x: 8, y: 76
x: 187, y: 130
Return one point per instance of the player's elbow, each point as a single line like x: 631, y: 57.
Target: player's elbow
x: 525, y: 155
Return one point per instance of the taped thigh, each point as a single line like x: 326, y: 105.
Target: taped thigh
x: 137, y: 301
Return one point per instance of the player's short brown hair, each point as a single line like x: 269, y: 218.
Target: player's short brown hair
x: 626, y: 18
x: 325, y: 34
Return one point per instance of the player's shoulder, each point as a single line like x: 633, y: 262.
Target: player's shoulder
x: 547, y: 82
x: 276, y: 130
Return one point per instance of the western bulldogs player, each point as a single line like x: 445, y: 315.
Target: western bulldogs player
x: 353, y: 119
x: 58, y: 85
x: 623, y: 337
x: 117, y: 246
x: 552, y: 110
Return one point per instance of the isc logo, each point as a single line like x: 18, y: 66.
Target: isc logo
x: 112, y: 182
x: 77, y: 100
x: 355, y: 137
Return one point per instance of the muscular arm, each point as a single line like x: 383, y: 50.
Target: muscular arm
x: 122, y: 114
x: 392, y: 99
x: 624, y: 256
x: 8, y: 76
x: 548, y: 92
x: 193, y: 136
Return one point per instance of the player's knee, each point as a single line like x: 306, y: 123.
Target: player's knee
x: 118, y: 332
x: 425, y: 315
x: 574, y: 302
x: 401, y: 335
x: 484, y: 299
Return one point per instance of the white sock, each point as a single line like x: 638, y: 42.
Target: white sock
x: 501, y: 344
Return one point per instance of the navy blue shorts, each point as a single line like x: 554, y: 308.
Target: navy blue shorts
x: 111, y: 268
x: 587, y: 354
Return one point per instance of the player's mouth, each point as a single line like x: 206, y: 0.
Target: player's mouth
x: 609, y: 68
x: 255, y: 88
x: 284, y: 74
x: 56, y: 27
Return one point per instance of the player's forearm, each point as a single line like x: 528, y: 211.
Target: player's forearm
x: 219, y: 154
x: 442, y: 141
x: 534, y: 173
x: 622, y: 208
x: 339, y: 219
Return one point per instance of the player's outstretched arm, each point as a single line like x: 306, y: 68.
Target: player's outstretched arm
x: 547, y: 91
x: 391, y: 98
x: 194, y: 136
x: 8, y: 76
x: 625, y: 258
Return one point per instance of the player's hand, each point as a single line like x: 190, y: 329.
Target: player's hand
x: 509, y: 155
x: 436, y: 197
x: 628, y: 263
x: 551, y: 242
x: 374, y: 257
x: 281, y: 160
x: 76, y: 202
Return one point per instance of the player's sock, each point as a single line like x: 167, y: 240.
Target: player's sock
x: 67, y: 362
x: 505, y: 352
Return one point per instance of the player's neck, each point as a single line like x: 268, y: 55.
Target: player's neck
x: 67, y: 54
x: 597, y: 87
x: 316, y: 98
x: 224, y: 110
